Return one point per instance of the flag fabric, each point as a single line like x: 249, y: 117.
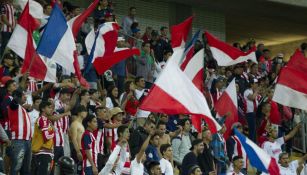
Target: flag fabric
x: 102, y: 43
x: 76, y: 22
x: 275, y: 116
x: 166, y: 97
x: 179, y: 33
x: 57, y: 41
x: 194, y: 69
x: 258, y: 157
x: 36, y: 10
x: 226, y: 55
x: 21, y: 42
x: 189, y: 51
x: 104, y: 63
x: 291, y: 91
x: 227, y: 104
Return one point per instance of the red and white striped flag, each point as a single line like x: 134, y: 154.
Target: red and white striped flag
x: 227, y: 104
x: 291, y: 87
x: 226, y: 55
x: 166, y: 97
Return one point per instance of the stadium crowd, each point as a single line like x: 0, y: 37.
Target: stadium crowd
x: 63, y: 128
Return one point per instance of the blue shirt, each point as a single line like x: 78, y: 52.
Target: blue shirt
x: 152, y: 153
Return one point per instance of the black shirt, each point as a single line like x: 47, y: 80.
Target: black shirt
x: 206, y: 160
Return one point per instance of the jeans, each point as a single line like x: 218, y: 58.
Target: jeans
x: 88, y: 171
x: 251, y: 121
x: 41, y: 164
x: 20, y: 154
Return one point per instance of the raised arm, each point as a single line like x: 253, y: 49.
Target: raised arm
x: 293, y: 132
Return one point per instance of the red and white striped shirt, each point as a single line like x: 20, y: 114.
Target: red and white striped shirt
x: 99, y: 135
x: 61, y: 126
x: 19, y: 124
x: 88, y: 142
x: 8, y: 11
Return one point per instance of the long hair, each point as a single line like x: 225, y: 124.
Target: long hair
x: 113, y: 99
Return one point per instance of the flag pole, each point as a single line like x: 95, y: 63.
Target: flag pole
x: 125, y: 34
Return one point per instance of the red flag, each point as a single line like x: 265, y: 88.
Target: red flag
x: 76, y: 22
x: 228, y: 105
x: 179, y: 32
x: 104, y: 63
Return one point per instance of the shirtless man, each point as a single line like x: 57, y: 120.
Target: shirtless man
x: 77, y: 129
x: 164, y: 138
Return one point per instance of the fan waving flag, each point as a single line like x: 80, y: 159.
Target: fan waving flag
x: 179, y: 33
x: 291, y: 91
x: 257, y: 156
x: 57, y: 41
x: 76, y: 22
x: 227, y: 105
x: 166, y: 97
x: 21, y: 42
x: 101, y: 44
x: 226, y: 55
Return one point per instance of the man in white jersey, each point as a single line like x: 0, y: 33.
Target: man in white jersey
x: 287, y: 167
x: 273, y: 145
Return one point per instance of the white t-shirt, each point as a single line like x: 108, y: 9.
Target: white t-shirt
x: 34, y: 114
x: 109, y: 103
x: 136, y: 168
x: 291, y: 170
x: 166, y: 167
x: 141, y: 113
x: 233, y: 173
x: 274, y: 148
x: 249, y: 103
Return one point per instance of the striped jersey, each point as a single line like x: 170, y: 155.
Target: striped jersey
x: 19, y: 124
x: 88, y: 142
x: 8, y: 11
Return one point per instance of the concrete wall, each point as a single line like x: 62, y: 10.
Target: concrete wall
x: 157, y: 13
x: 287, y: 49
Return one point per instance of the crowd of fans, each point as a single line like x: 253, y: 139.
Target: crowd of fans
x: 63, y: 128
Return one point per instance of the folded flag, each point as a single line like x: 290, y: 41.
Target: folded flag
x: 291, y: 91
x: 226, y: 55
x: 166, y: 97
x: 76, y: 22
x: 227, y: 105
x: 258, y: 157
x: 22, y: 43
x: 179, y: 33
x: 57, y: 41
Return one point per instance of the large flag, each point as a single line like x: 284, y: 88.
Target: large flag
x: 76, y: 22
x: 179, y: 32
x: 57, y: 41
x: 227, y: 105
x: 166, y: 97
x: 21, y: 42
x: 258, y: 157
x: 290, y: 91
x: 226, y: 55
x: 103, y: 43
x: 107, y: 61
